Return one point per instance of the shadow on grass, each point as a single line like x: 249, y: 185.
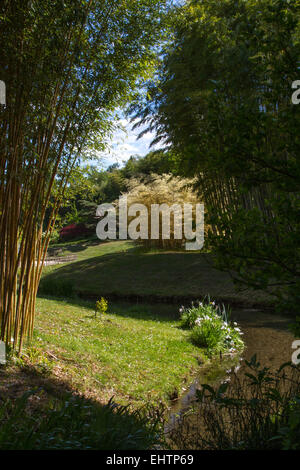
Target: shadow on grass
x: 140, y: 311
x: 137, y: 273
x: 41, y: 411
x: 146, y: 277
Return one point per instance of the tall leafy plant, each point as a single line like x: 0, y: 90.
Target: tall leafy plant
x: 223, y: 100
x: 67, y: 65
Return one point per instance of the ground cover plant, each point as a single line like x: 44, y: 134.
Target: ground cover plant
x: 210, y: 328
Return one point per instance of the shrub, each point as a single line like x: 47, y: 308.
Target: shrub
x: 211, y: 329
x: 73, y: 231
x: 54, y: 237
x: 101, y: 306
x: 216, y: 335
x: 188, y: 316
x: 162, y: 189
x: 208, y: 335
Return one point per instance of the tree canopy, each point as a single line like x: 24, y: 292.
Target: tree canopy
x: 67, y: 65
x: 222, y: 100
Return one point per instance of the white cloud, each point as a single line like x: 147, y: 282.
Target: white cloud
x: 124, y: 144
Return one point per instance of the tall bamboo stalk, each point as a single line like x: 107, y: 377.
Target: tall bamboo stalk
x: 26, y: 186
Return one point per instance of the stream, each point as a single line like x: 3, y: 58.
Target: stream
x: 265, y: 335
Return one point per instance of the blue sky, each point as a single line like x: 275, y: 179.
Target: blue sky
x: 124, y: 144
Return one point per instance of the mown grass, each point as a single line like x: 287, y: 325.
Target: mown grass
x: 121, y: 269
x: 132, y: 353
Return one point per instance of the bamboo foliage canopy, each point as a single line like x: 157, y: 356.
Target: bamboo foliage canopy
x: 223, y: 102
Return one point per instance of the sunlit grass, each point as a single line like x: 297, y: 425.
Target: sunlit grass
x: 131, y: 353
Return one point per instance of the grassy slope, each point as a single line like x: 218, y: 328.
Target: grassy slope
x: 131, y: 353
x: 119, y: 268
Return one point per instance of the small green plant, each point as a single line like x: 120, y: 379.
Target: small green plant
x: 33, y: 359
x: 188, y: 316
x: 211, y: 328
x: 101, y: 307
x: 216, y: 335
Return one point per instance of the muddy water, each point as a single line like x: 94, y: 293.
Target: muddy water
x: 265, y: 335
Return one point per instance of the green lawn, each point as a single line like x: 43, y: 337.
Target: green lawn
x: 121, y: 269
x: 133, y: 353
x: 136, y: 352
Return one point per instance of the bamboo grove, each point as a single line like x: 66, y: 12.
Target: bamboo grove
x: 222, y: 101
x: 67, y: 65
